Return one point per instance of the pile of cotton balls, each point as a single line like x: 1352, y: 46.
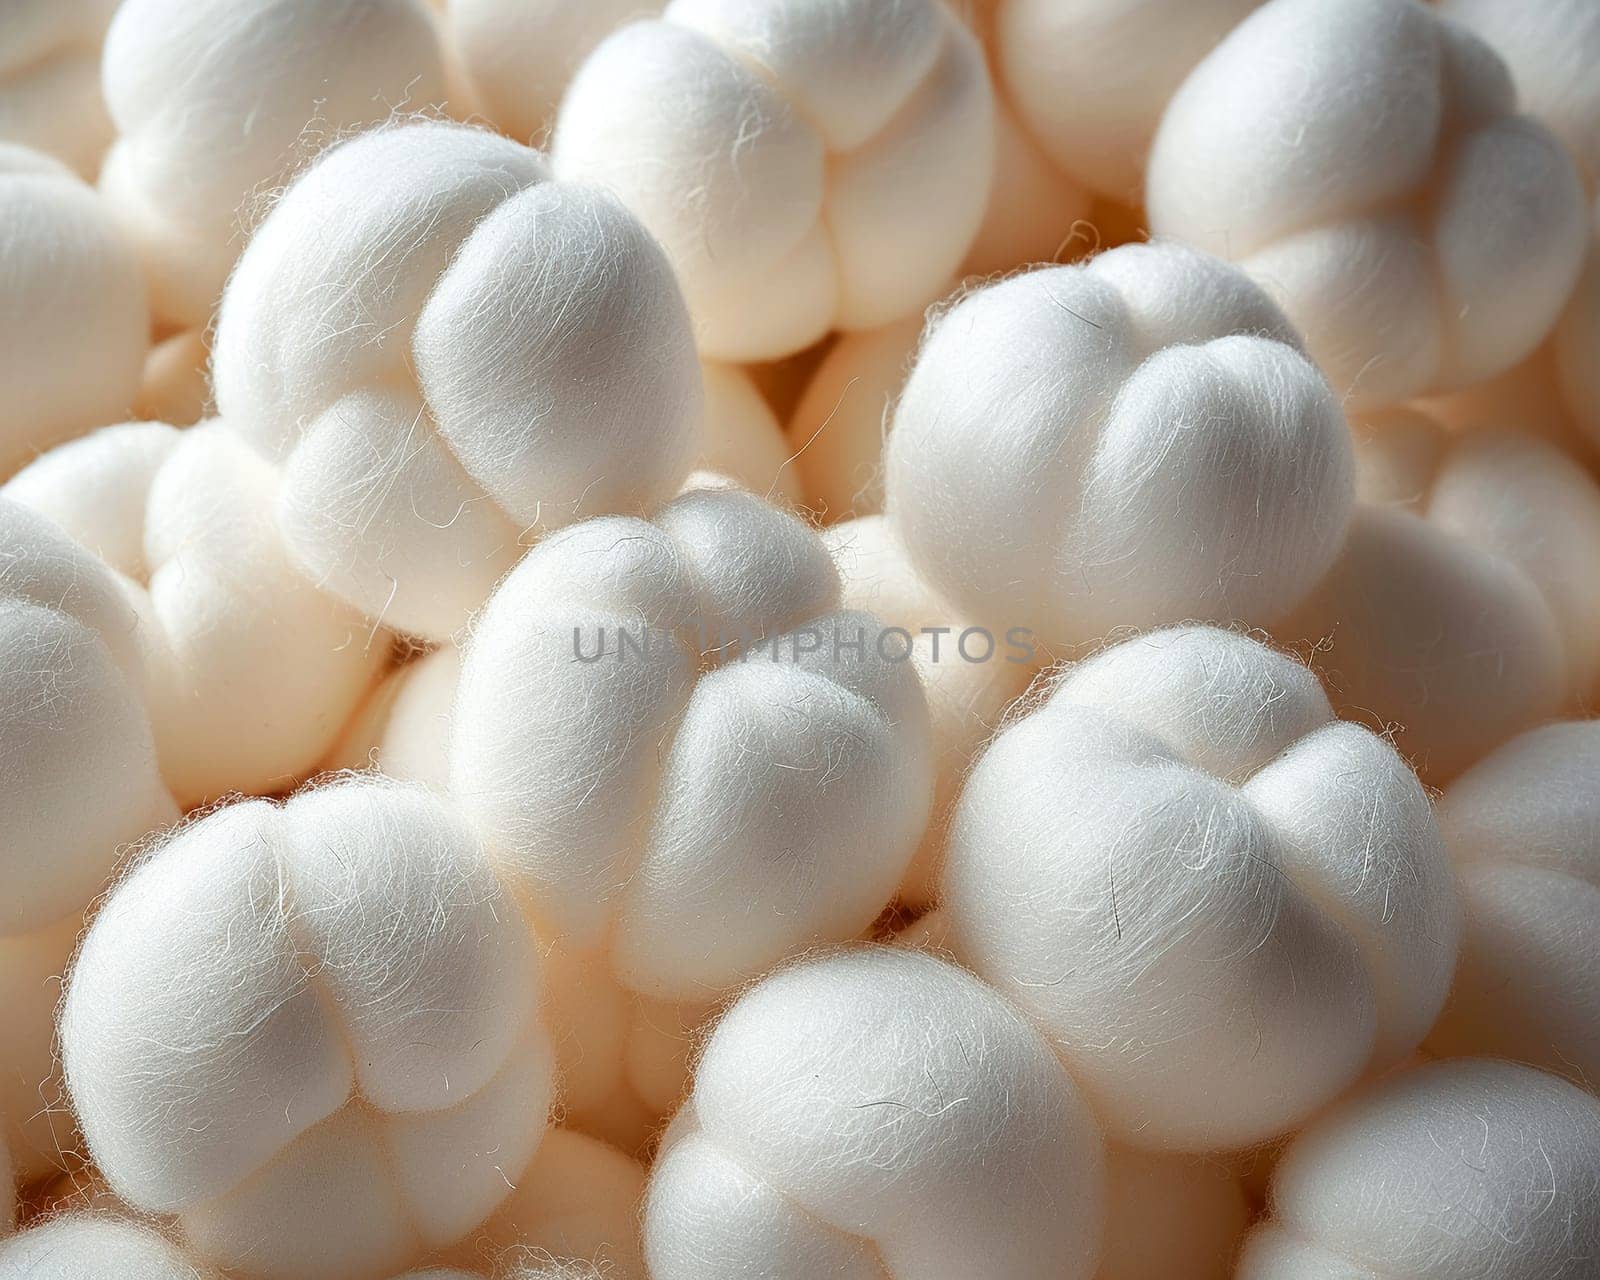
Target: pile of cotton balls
x: 799, y: 640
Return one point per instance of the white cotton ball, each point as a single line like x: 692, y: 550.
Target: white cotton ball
x: 252, y: 670
x: 1577, y: 339
x: 50, y: 79
x: 310, y: 1033
x: 215, y: 103
x: 741, y: 438
x: 1221, y: 904
x: 876, y: 1113
x: 1170, y: 1216
x: 403, y: 728
x: 1464, y: 607
x: 1465, y: 1170
x: 447, y: 352
x: 1524, y: 828
x: 1133, y: 441
x: 86, y: 1246
x: 73, y: 320
x: 806, y: 167
x: 1090, y: 78
x: 1364, y: 160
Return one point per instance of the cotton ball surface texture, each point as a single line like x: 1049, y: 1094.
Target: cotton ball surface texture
x: 310, y: 1034
x: 86, y: 1246
x: 50, y: 79
x: 216, y: 102
x: 807, y: 167
x: 1130, y: 442
x: 1524, y: 829
x: 1221, y: 904
x: 876, y: 1113
x: 1463, y: 1170
x: 252, y: 670
x: 1365, y: 161
x: 74, y: 323
x: 448, y: 352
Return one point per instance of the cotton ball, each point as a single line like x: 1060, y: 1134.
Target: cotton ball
x: 73, y: 321
x: 1364, y: 160
x: 1129, y: 442
x: 741, y: 437
x: 447, y: 351
x: 50, y: 79
x: 309, y: 1033
x: 85, y: 1246
x: 253, y: 671
x: 403, y: 728
x: 1467, y: 1170
x: 1576, y: 340
x: 1221, y: 904
x: 1090, y: 78
x: 177, y: 382
x: 876, y: 1113
x: 1170, y: 1216
x: 1524, y: 828
x: 1464, y: 607
x: 216, y: 102
x: 806, y: 167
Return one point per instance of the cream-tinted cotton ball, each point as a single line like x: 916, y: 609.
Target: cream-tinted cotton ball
x: 311, y: 1034
x: 874, y: 1113
x: 1464, y: 1170
x: 87, y: 1246
x: 1134, y: 441
x: 252, y: 671
x: 449, y: 353
x: 1221, y: 904
x: 1364, y: 160
x: 741, y: 438
x: 50, y: 95
x: 1524, y: 828
x: 74, y: 324
x: 403, y: 728
x: 806, y: 166
x: 217, y: 102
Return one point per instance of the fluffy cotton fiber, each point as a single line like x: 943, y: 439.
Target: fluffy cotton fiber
x: 74, y: 324
x: 1364, y: 160
x: 1221, y: 904
x: 84, y: 1246
x: 252, y: 671
x: 1466, y: 1170
x: 1130, y: 442
x: 805, y: 166
x: 215, y: 102
x: 50, y: 79
x: 1524, y: 828
x: 310, y: 1033
x: 449, y: 353
x: 877, y: 1113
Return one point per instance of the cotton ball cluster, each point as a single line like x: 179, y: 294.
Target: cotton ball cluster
x: 310, y: 1034
x: 1221, y: 904
x: 806, y: 167
x: 252, y: 671
x: 1524, y: 828
x: 1364, y: 160
x: 85, y: 1246
x: 216, y: 102
x: 1130, y: 442
x: 1464, y: 607
x: 75, y: 326
x: 1466, y: 1170
x: 876, y: 1113
x: 50, y: 79
x: 445, y: 350
x: 80, y: 781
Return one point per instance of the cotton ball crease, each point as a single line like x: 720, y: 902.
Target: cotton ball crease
x: 741, y: 438
x: 252, y: 671
x: 1364, y: 159
x: 1524, y: 828
x: 78, y: 782
x: 806, y: 167
x: 215, y: 102
x: 403, y: 728
x: 449, y: 353
x: 50, y: 79
x: 1169, y: 1216
x: 1222, y: 905
x: 1464, y: 1170
x: 74, y: 323
x: 1577, y: 338
x: 309, y: 1033
x: 1134, y: 441
x: 872, y: 1113
x: 86, y: 1246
